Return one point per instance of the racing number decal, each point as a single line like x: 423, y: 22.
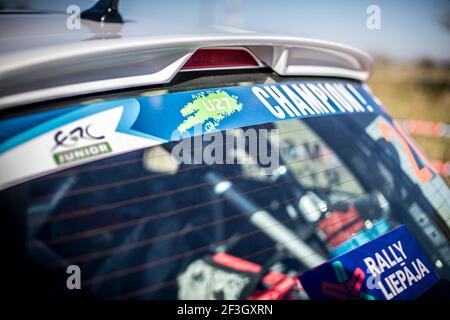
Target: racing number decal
x: 389, y: 132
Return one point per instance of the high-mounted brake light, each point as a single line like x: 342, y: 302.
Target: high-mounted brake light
x: 220, y: 58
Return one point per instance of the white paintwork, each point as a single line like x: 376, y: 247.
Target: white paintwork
x: 34, y: 158
x: 30, y: 62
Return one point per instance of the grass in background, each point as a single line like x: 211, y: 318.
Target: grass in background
x: 417, y: 92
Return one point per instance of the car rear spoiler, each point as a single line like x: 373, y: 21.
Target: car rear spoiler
x: 102, y: 65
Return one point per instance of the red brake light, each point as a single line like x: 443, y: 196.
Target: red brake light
x: 220, y: 58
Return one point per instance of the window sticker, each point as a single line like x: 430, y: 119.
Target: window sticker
x: 76, y: 135
x: 391, y: 267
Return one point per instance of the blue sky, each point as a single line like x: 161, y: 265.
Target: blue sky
x: 409, y: 29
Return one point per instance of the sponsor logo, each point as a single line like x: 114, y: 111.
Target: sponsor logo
x: 208, y: 109
x: 347, y: 288
x: 72, y: 139
x: 396, y: 269
x: 82, y: 153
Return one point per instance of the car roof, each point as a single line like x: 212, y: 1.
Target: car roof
x: 41, y: 59
x: 27, y: 29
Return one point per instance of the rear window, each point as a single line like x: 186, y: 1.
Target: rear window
x: 137, y: 221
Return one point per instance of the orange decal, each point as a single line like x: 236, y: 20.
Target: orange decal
x: 389, y: 132
x: 424, y: 159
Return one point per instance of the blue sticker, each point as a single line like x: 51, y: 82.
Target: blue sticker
x: 171, y: 116
x: 391, y: 267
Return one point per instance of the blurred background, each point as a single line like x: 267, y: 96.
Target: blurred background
x: 409, y: 41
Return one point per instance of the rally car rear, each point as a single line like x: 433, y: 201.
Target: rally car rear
x: 214, y: 167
